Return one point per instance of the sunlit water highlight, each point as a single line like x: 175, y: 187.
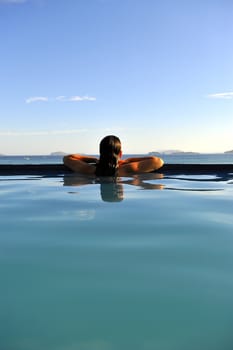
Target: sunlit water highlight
x: 144, y: 263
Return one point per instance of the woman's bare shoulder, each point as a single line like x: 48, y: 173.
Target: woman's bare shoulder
x: 139, y: 165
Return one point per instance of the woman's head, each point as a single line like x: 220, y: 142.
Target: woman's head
x: 110, y: 145
x: 110, y: 152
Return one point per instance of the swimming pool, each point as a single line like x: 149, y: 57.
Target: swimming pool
x: 143, y: 263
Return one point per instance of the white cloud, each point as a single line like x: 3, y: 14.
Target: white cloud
x: 75, y: 98
x: 36, y: 99
x: 42, y: 132
x: 61, y: 98
x: 81, y: 98
x: 222, y: 95
x: 57, y: 131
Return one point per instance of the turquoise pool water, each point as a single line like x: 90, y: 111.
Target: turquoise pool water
x: 142, y: 264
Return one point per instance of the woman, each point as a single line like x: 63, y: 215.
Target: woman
x: 109, y: 163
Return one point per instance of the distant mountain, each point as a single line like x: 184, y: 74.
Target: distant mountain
x: 171, y: 152
x: 229, y: 151
x: 58, y: 153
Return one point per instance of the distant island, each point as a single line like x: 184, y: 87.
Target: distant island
x: 229, y: 151
x: 59, y: 153
x: 172, y: 152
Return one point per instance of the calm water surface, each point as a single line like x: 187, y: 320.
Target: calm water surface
x: 144, y: 264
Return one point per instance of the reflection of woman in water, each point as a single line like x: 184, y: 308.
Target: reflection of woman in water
x: 112, y: 188
x: 109, y: 163
x: 111, y: 191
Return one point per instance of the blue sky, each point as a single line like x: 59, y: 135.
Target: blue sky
x: 159, y: 74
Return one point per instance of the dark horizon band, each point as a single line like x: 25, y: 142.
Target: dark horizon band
x: 60, y: 169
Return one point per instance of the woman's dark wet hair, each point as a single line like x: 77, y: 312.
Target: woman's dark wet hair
x: 110, y: 149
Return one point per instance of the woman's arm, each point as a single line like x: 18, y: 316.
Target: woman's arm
x: 81, y: 164
x: 86, y: 159
x: 140, y: 165
x: 135, y: 159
